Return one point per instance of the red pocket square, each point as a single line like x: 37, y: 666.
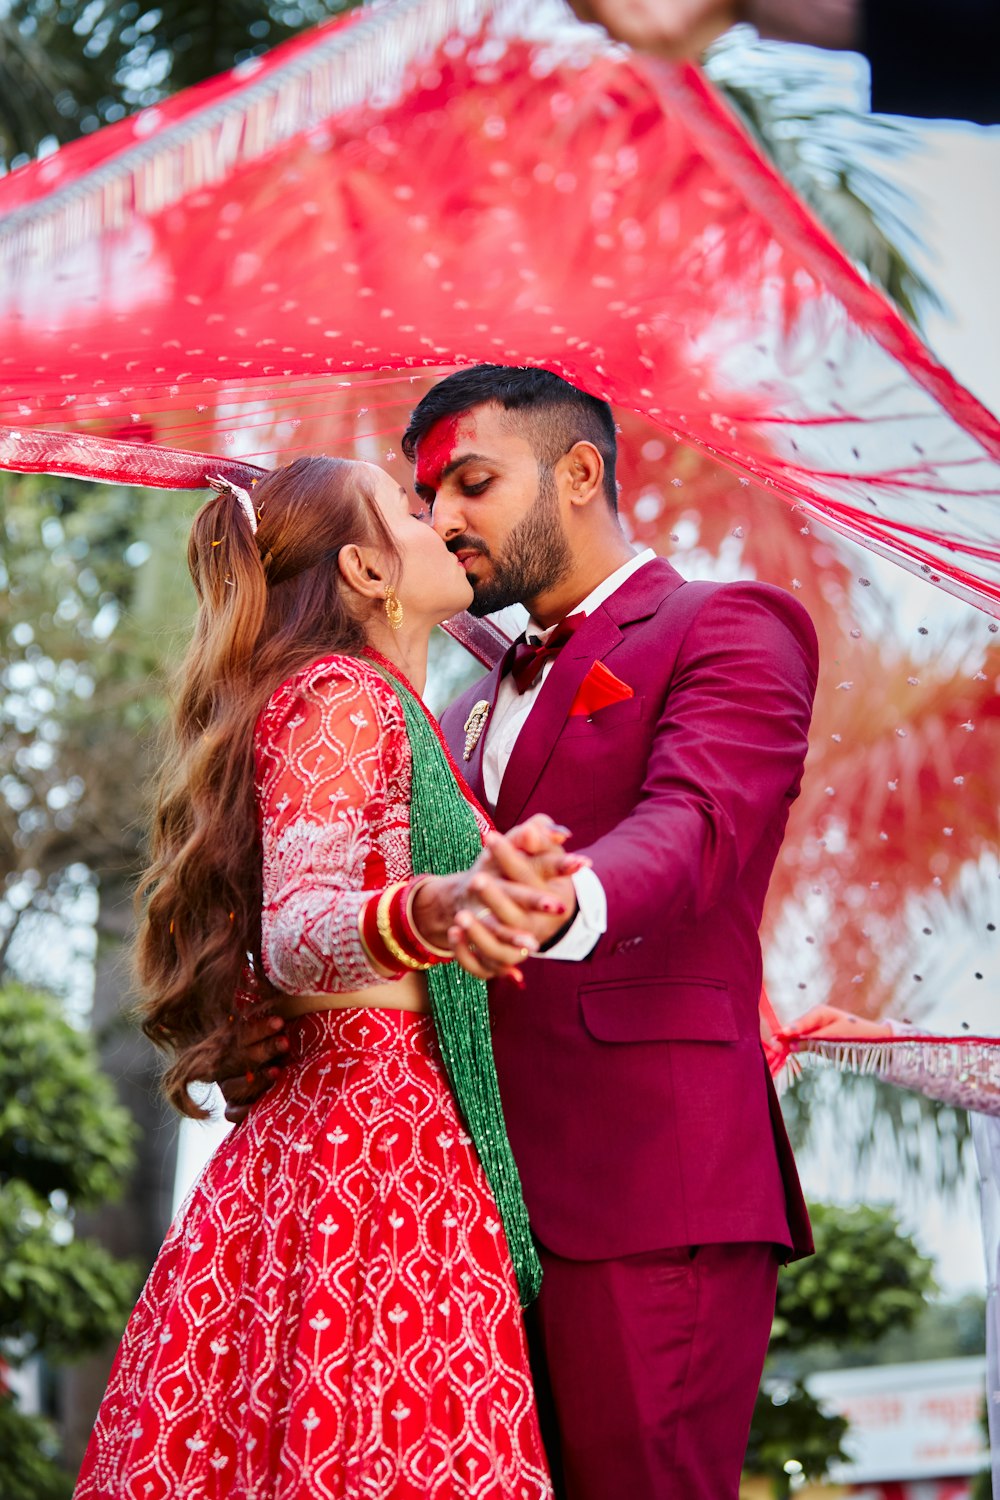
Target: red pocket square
x: 599, y: 689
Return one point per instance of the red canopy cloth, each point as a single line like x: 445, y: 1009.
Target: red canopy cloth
x: 280, y: 260
x: 439, y: 182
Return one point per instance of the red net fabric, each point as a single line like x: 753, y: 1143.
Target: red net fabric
x: 446, y: 181
x: 280, y: 260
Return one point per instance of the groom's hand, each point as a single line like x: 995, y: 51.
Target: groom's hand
x: 525, y: 862
x: 252, y: 1065
x: 525, y: 884
x: 506, y: 906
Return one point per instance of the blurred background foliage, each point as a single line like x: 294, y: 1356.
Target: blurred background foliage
x: 65, y: 1145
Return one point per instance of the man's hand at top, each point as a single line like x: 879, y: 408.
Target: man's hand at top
x: 674, y: 29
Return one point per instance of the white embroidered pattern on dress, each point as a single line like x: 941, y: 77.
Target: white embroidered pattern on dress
x: 334, y: 1314
x: 333, y: 779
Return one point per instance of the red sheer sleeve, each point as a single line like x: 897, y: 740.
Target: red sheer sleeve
x: 333, y: 777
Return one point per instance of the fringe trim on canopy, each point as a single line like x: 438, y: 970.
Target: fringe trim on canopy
x: 961, y: 1071
x: 362, y: 63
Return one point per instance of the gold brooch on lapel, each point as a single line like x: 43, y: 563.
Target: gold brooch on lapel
x: 474, y: 726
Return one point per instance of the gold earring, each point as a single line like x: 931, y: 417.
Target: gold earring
x: 393, y: 608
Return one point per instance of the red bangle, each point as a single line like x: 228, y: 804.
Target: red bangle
x: 376, y: 951
x: 397, y: 947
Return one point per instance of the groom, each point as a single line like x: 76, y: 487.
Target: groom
x: 665, y: 723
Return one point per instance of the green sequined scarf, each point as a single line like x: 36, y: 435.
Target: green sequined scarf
x: 444, y: 839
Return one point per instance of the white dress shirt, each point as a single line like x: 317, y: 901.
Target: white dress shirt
x: 508, y: 718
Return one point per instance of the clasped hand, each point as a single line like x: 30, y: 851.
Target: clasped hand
x: 516, y: 898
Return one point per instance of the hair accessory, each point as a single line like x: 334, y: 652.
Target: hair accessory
x: 227, y: 487
x: 393, y: 608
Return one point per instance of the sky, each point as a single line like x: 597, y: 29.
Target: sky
x: 954, y: 179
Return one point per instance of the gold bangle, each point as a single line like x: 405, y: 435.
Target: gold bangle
x: 442, y: 953
x: 385, y: 931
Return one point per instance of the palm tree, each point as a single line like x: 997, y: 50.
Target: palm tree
x: 804, y: 109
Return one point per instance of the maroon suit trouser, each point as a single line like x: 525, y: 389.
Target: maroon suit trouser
x: 646, y: 1369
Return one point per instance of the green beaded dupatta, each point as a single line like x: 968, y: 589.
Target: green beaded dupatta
x: 444, y: 839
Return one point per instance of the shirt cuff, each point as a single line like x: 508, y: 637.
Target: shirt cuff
x: 589, y: 924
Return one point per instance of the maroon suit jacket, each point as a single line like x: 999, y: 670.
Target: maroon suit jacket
x: 640, y: 1108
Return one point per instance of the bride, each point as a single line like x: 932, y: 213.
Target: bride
x: 335, y: 1311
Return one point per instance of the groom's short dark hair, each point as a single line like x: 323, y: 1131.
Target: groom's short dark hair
x: 555, y: 414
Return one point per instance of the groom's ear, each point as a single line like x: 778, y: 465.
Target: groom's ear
x: 582, y: 473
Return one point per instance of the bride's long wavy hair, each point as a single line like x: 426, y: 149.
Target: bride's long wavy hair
x: 268, y: 605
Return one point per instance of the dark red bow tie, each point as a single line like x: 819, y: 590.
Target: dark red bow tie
x: 530, y: 659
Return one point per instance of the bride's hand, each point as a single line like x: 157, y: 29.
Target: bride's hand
x: 530, y: 868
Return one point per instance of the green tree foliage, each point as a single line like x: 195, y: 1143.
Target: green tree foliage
x: 866, y: 1280
x: 792, y: 1437
x: 95, y: 603
x: 60, y: 1127
x: 68, y: 67
x: 28, y: 1456
x: 942, y: 1330
x: 64, y: 1143
x: 94, y: 598
x: 58, y: 1297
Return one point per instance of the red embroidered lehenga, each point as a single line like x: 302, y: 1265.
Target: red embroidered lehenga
x: 334, y: 1312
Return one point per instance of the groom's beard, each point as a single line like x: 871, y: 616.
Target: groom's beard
x: 536, y: 555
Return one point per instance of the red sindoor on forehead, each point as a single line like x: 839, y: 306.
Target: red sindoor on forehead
x: 435, y: 450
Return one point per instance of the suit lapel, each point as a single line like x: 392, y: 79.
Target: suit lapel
x: 641, y: 595
x: 638, y: 597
